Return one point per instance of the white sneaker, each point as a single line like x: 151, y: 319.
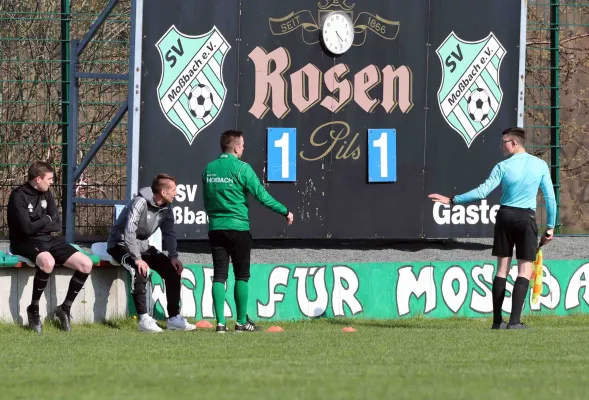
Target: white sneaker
x: 178, y: 323
x: 149, y: 325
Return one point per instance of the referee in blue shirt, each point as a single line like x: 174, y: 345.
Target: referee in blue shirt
x: 520, y: 176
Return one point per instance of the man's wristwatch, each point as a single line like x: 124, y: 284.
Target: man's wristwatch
x: 452, y: 200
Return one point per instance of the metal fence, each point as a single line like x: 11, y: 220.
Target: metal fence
x: 34, y: 86
x: 34, y: 82
x: 557, y: 67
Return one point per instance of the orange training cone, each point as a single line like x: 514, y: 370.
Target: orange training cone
x: 204, y: 324
x: 275, y: 329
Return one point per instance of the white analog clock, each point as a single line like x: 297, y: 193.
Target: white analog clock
x: 337, y: 32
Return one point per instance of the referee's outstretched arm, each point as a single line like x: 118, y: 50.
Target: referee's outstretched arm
x: 478, y: 193
x: 483, y: 190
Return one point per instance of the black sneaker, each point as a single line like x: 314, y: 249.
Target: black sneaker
x: 64, y: 319
x: 222, y: 328
x: 502, y: 325
x: 517, y: 326
x: 247, y: 327
x: 34, y: 320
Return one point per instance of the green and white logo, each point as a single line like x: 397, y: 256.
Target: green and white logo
x: 191, y: 91
x: 470, y: 93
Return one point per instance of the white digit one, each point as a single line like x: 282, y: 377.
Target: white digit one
x: 382, y: 144
x: 282, y: 143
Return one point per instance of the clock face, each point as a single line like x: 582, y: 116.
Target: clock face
x: 338, y: 32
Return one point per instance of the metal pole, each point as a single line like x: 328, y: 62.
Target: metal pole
x: 65, y: 87
x: 134, y: 99
x: 555, y: 105
x: 522, y: 63
x: 72, y: 149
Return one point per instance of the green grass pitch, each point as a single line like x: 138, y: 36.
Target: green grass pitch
x: 403, y: 359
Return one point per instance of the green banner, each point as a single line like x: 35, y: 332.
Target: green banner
x: 375, y: 290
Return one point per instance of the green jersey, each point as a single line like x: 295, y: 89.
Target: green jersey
x: 226, y: 183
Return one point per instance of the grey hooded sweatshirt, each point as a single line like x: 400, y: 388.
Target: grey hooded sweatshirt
x: 138, y: 221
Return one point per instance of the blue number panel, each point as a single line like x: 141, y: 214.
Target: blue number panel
x: 382, y: 155
x: 282, y: 154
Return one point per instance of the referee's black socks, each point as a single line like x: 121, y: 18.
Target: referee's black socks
x: 498, y: 297
x: 520, y: 290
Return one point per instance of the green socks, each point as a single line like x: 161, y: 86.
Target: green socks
x: 241, y: 293
x: 219, y: 301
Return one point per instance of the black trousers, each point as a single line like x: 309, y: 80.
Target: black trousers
x: 226, y: 244
x: 158, y: 262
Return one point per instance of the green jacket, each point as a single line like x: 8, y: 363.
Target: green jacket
x: 226, y: 183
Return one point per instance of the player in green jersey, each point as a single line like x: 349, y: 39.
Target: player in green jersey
x: 226, y: 184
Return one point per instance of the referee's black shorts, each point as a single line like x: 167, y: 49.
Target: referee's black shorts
x: 516, y: 227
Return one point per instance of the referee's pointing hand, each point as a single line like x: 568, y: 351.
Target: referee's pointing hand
x: 439, y: 198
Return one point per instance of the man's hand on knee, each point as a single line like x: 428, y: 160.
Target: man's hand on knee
x: 177, y: 264
x: 142, y: 267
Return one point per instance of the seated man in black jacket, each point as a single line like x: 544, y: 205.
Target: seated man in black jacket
x: 32, y: 217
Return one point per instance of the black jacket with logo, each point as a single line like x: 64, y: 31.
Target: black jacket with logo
x: 31, y: 214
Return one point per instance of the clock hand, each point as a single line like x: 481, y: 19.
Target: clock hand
x: 340, y: 38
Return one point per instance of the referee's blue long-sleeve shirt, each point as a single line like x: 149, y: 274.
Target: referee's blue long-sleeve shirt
x: 520, y: 176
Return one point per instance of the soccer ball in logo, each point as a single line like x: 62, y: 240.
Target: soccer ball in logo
x: 478, y: 105
x: 200, y: 101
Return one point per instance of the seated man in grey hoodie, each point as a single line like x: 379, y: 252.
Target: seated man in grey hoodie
x: 128, y: 244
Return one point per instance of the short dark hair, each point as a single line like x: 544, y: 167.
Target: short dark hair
x: 229, y: 139
x: 39, y: 169
x: 160, y: 181
x: 518, y: 133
